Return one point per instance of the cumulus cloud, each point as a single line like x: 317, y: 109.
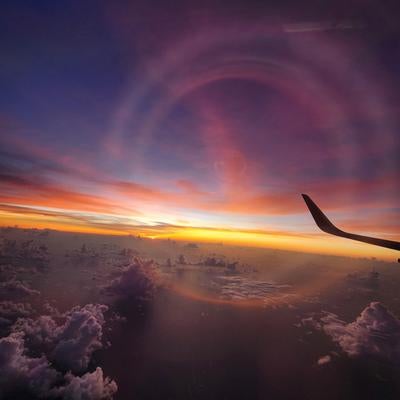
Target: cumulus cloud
x: 41, y: 356
x: 21, y: 372
x: 376, y: 332
x: 10, y: 311
x: 70, y: 344
x: 136, y: 280
x: 15, y: 289
x: 39, y: 332
x: 79, y: 337
x: 91, y: 385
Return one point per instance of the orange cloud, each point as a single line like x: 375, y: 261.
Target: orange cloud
x: 24, y: 191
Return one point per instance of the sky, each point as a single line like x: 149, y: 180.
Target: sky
x: 202, y: 122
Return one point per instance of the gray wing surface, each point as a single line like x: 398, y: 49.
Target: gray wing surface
x: 325, y: 225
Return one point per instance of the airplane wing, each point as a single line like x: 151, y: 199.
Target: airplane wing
x: 325, y: 225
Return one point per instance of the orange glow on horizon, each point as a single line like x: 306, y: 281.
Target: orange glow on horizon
x: 318, y: 244
x: 321, y: 244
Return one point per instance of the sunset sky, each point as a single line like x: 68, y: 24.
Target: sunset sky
x: 201, y: 122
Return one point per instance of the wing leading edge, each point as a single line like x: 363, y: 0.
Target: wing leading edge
x: 325, y: 225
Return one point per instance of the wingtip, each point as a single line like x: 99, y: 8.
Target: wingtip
x: 307, y: 200
x: 319, y: 217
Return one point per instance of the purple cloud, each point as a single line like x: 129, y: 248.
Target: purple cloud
x: 136, y: 280
x: 324, y: 360
x: 65, y: 344
x: 92, y: 385
x: 10, y: 311
x: 18, y: 371
x: 13, y: 289
x: 70, y: 344
x: 376, y: 332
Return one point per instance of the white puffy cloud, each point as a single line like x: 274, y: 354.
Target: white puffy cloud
x: 21, y: 372
x: 79, y: 337
x: 71, y: 342
x: 90, y: 386
x: 376, y: 332
x: 136, y: 280
x: 35, y: 356
x: 39, y: 332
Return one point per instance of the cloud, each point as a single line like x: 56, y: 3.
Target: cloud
x: 121, y: 224
x: 20, y: 186
x: 48, y: 189
x: 322, y: 26
x: 70, y: 344
x: 92, y: 385
x: 324, y: 360
x: 43, y: 159
x: 243, y: 288
x: 19, y: 372
x: 136, y: 280
x: 189, y: 188
x: 79, y: 337
x: 106, y: 222
x: 22, y: 374
x: 14, y: 289
x: 10, y: 311
x: 140, y: 191
x: 385, y: 223
x: 262, y: 204
x: 24, y: 254
x: 36, y: 191
x: 41, y: 356
x: 40, y: 332
x: 376, y: 332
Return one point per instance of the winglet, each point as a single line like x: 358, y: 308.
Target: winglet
x: 319, y: 217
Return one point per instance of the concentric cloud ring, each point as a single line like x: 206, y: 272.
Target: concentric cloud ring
x: 314, y: 70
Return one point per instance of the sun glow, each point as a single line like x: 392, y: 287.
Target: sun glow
x: 101, y: 224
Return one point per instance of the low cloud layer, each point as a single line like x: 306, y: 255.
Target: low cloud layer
x: 376, y: 332
x: 244, y: 288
